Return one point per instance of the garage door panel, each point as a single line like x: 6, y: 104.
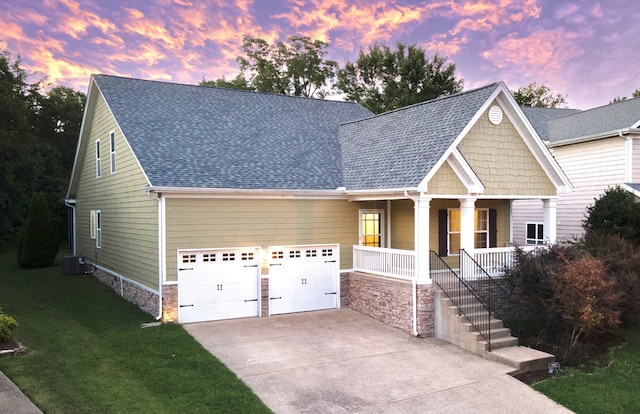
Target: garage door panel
x: 218, y: 284
x: 302, y: 278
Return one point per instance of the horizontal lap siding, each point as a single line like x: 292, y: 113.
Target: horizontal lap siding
x: 129, y: 216
x: 635, y: 163
x: 592, y: 167
x: 525, y: 211
x: 220, y: 223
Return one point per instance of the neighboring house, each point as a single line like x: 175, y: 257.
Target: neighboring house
x: 204, y: 203
x: 597, y: 149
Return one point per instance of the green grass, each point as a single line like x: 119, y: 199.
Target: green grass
x: 88, y: 354
x: 612, y: 389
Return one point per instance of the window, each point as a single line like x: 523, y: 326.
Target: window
x: 92, y: 224
x: 98, y: 229
x: 112, y: 145
x: 98, y: 168
x: 371, y: 228
x: 481, y: 230
x: 535, y: 234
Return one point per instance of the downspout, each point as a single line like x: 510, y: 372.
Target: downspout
x: 416, y: 267
x: 160, y: 198
x: 72, y: 207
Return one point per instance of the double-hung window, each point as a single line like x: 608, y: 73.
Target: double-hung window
x: 481, y: 230
x: 98, y: 159
x: 95, y: 224
x: 535, y: 234
x: 371, y: 228
x: 112, y: 151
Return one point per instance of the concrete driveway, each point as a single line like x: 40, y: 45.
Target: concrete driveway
x: 340, y: 361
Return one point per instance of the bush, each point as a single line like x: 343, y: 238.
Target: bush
x: 37, y: 243
x: 615, y: 212
x: 7, y: 325
x: 621, y: 258
x: 566, y: 303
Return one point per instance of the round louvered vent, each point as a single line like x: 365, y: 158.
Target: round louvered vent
x: 495, y: 115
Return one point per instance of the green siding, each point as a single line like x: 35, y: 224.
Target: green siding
x: 129, y: 216
x: 200, y: 223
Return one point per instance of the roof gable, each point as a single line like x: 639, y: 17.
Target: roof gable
x: 201, y: 137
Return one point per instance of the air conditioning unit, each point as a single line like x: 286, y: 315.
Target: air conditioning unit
x: 74, y: 265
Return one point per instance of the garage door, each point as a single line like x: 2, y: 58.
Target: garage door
x: 217, y: 284
x: 303, y: 278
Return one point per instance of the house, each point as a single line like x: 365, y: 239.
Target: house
x: 202, y: 203
x: 597, y: 149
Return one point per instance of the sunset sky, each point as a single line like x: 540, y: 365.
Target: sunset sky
x: 585, y: 49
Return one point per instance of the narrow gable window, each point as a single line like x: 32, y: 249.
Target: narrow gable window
x: 371, y: 228
x: 98, y: 168
x: 112, y: 147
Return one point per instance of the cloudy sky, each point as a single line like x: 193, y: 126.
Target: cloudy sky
x: 584, y: 49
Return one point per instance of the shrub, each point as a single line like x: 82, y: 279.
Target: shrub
x: 7, y: 325
x: 565, y: 302
x: 621, y: 258
x: 37, y: 243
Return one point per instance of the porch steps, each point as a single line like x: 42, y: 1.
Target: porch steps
x: 456, y: 329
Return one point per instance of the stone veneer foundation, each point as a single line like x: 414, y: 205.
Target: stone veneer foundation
x: 384, y: 299
x: 145, y: 299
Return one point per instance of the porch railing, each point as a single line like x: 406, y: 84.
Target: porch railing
x: 495, y: 259
x: 385, y: 262
x: 492, y: 293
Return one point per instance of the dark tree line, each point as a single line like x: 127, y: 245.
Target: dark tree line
x: 39, y: 130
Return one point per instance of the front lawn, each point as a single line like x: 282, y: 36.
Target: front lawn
x: 612, y: 389
x: 87, y: 352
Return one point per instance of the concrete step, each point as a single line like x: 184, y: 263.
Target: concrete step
x: 493, y: 324
x: 498, y: 343
x: 521, y: 358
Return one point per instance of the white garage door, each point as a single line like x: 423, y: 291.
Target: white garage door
x: 303, y: 278
x: 218, y: 284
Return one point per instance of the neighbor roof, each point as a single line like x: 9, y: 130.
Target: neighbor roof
x: 597, y: 122
x: 378, y: 154
x: 201, y: 137
x: 540, y: 117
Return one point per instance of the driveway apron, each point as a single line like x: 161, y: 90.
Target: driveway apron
x: 341, y: 361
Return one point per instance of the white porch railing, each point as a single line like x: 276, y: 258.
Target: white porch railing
x: 396, y: 263
x: 401, y: 264
x: 495, y: 259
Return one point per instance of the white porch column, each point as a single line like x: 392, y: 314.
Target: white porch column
x: 421, y: 230
x: 549, y: 223
x: 467, y: 224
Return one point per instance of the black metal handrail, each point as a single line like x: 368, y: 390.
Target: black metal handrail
x: 492, y: 294
x: 463, y: 296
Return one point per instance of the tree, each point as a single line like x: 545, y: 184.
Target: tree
x: 539, y: 95
x: 37, y: 243
x: 298, y: 68
x: 238, y: 82
x: 383, y: 79
x: 615, y: 212
x: 635, y: 94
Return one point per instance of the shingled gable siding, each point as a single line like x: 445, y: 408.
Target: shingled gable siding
x: 129, y: 216
x: 502, y: 160
x: 445, y: 181
x: 194, y: 223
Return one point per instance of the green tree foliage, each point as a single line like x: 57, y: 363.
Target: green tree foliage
x: 38, y: 135
x: 615, y: 212
x: 37, y: 244
x: 7, y: 325
x: 539, y: 95
x: 383, y: 79
x: 634, y: 94
x: 297, y: 68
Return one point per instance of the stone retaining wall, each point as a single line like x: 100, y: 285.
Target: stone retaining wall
x: 145, y: 299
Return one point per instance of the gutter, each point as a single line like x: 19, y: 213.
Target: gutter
x: 586, y: 138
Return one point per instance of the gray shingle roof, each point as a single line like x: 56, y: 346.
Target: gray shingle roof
x: 193, y: 136
x: 597, y: 121
x: 540, y: 117
x: 398, y: 149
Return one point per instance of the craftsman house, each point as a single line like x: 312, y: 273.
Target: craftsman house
x: 597, y: 149
x: 202, y: 203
